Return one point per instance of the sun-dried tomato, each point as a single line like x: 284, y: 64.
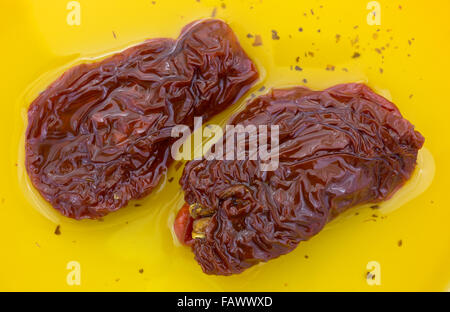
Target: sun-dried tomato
x: 183, y: 226
x: 100, y: 135
x: 338, y: 148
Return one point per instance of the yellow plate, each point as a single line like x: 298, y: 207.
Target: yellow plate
x: 405, y: 58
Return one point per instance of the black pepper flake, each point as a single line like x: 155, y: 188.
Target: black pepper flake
x: 410, y: 96
x: 114, y: 35
x: 318, y: 30
x: 312, y: 12
x: 330, y: 68
x: 257, y: 41
x: 300, y: 29
x: 297, y: 59
x: 275, y: 35
x: 141, y: 271
x: 305, y: 80
x: 375, y: 207
x: 306, y: 256
x: 137, y: 205
x: 170, y: 179
x: 249, y: 36
x: 311, y: 53
x: 153, y: 2
x: 298, y: 68
x: 381, y: 70
x: 58, y: 230
x: 356, y: 55
x: 261, y: 89
x: 400, y: 243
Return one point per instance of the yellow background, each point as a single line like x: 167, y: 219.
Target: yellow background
x: 413, y: 53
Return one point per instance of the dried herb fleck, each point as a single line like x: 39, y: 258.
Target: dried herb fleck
x: 58, y: 230
x: 257, y: 41
x: 275, y: 35
x: 178, y: 165
x: 338, y: 37
x: 370, y: 275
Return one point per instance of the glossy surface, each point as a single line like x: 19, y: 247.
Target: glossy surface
x: 40, y: 46
x: 101, y: 134
x: 338, y: 148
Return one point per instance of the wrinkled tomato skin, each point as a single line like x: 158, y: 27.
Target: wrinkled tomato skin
x: 338, y: 148
x: 100, y: 135
x: 183, y: 226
